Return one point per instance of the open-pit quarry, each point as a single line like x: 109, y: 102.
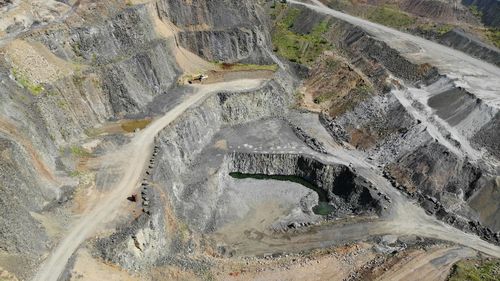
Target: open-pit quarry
x: 241, y: 140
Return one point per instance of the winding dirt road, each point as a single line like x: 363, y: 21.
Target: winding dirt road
x: 136, y: 154
x: 408, y: 220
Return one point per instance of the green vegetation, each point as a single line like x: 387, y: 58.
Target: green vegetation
x: 62, y: 104
x: 246, y: 67
x: 445, y: 28
x: 391, y: 17
x: 439, y: 29
x: 493, y: 34
x: 32, y: 87
x: 342, y: 103
x: 363, y: 89
x: 475, y: 11
x: 132, y: 125
x: 94, y: 58
x: 323, y: 208
x: 301, y: 48
x: 324, y: 97
x: 475, y: 270
x: 76, y: 49
x: 78, y: 80
x: 74, y: 174
x: 298, y: 96
x: 78, y: 151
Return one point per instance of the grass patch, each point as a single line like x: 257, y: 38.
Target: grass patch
x: 300, y: 48
x: 132, y: 125
x: 391, y: 17
x: 363, y: 89
x: 323, y: 97
x: 32, y: 87
x: 62, y: 104
x: 76, y: 49
x: 323, y: 208
x: 246, y: 67
x: 438, y: 29
x: 475, y: 11
x: 78, y: 80
x: 78, y: 151
x: 443, y: 29
x: 75, y: 174
x: 493, y: 34
x: 475, y: 270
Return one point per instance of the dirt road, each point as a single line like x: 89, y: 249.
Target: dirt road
x: 136, y: 155
x: 477, y: 76
x: 403, y: 217
x: 407, y: 217
x: 431, y: 265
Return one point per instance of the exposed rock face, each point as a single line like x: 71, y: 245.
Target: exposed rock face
x: 5, y: 2
x: 243, y: 45
x: 437, y: 10
x: 127, y: 66
x: 20, y: 193
x: 486, y: 136
x: 27, y: 157
x: 373, y: 122
x: 464, y: 42
x: 485, y: 200
x: 132, y: 65
x: 228, y: 31
x: 313, y: 143
x: 123, y: 65
x: 369, y: 54
x: 141, y: 243
x: 433, y: 170
x: 344, y: 188
x: 193, y: 199
x: 188, y: 135
x: 210, y: 14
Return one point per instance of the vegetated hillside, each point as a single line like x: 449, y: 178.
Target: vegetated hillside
x: 475, y: 270
x: 487, y: 10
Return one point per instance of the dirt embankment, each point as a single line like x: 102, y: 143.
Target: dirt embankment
x: 334, y: 86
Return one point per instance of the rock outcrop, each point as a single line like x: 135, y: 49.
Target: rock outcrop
x: 458, y: 39
x: 346, y: 191
x: 230, y: 31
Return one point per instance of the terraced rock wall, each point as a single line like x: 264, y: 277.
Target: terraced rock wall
x: 466, y: 43
x: 192, y: 197
x: 230, y: 31
x: 115, y: 65
x: 345, y: 189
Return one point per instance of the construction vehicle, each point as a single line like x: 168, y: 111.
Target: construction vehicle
x: 197, y: 78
